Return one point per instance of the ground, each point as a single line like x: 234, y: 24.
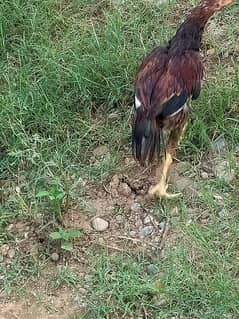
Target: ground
x: 67, y: 72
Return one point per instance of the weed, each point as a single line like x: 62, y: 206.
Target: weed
x: 55, y: 196
x: 65, y: 236
x: 65, y: 277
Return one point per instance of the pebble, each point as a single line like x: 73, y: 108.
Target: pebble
x: 11, y: 253
x: 20, y: 227
x: 10, y: 227
x: 223, y: 171
x: 152, y: 269
x: 162, y: 226
x: 219, y: 145
x: 101, y: 240
x: 54, y: 257
x: 204, y: 175
x: 4, y: 249
x: 1, y: 258
x: 99, y: 224
x: 124, y: 190
x: 132, y: 233
x: 100, y: 151
x: 135, y: 208
x: 115, y: 181
x: 146, y: 231
x: 119, y: 218
x: 210, y: 51
x: 148, y: 220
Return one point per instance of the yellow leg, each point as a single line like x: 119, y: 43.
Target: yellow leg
x: 160, y: 190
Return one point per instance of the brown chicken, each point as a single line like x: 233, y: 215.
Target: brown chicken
x: 167, y: 80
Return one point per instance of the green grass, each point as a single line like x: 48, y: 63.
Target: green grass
x: 65, y: 67
x: 121, y: 287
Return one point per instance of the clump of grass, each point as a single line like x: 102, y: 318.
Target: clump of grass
x: 14, y: 275
x: 200, y: 268
x: 65, y: 277
x: 121, y: 287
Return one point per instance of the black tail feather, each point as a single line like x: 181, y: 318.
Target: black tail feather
x: 146, y: 137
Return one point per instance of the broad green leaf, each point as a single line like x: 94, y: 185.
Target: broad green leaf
x: 67, y: 246
x: 73, y: 233
x: 42, y: 194
x: 55, y: 235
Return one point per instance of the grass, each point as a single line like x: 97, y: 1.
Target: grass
x: 120, y: 287
x: 66, y: 67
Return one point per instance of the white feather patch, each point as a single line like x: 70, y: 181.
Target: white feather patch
x: 137, y: 102
x: 184, y: 107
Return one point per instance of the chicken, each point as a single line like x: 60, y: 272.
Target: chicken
x: 167, y: 80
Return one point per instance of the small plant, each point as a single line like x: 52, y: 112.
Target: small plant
x: 65, y: 236
x: 55, y: 195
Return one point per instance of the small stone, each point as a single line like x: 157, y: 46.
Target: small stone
x: 4, y: 249
x: 219, y: 145
x: 210, y: 51
x: 18, y: 190
x: 204, y: 175
x: 20, y: 227
x: 219, y: 198
x: 99, y: 224
x: 115, y: 181
x: 11, y: 253
x: 10, y: 227
x: 162, y: 226
x: 132, y: 233
x: 101, y: 240
x: 119, y: 219
x: 148, y: 219
x: 100, y: 151
x: 189, y: 222
x: 54, y: 257
x: 223, y: 171
x: 152, y: 269
x: 124, y: 190
x: 1, y: 258
x: 135, y: 207
x: 146, y: 231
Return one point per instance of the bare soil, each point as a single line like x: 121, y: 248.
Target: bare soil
x: 135, y: 226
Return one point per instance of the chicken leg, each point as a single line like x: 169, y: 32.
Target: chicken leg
x: 160, y: 190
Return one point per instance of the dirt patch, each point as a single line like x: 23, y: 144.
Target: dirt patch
x: 60, y: 305
x: 135, y: 225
